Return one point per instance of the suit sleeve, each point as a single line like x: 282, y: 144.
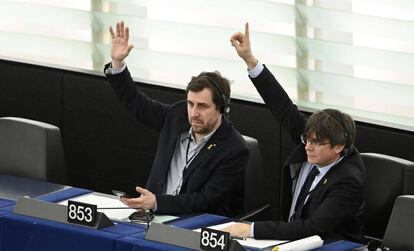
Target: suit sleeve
x: 148, y: 111
x: 279, y: 103
x: 227, y: 178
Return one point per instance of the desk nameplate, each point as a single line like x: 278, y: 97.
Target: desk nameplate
x: 181, y: 237
x: 51, y: 211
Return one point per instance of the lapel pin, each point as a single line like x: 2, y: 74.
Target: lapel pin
x: 211, y: 146
x: 324, y: 182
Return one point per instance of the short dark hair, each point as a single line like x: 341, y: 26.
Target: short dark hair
x: 210, y: 80
x: 332, y: 125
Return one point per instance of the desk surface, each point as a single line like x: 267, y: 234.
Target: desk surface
x: 19, y: 232
x: 339, y: 246
x: 6, y: 202
x: 12, y: 187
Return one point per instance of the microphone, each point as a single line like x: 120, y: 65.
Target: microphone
x: 250, y: 213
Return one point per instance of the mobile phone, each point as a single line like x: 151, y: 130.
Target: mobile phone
x: 141, y: 216
x: 120, y: 194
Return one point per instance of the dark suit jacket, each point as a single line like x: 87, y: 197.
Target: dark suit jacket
x: 214, y: 181
x: 334, y: 208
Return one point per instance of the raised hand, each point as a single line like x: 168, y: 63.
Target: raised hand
x: 241, y: 42
x: 120, y: 48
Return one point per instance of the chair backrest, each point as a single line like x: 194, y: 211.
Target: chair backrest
x: 387, y: 178
x: 255, y: 182
x: 400, y: 229
x: 31, y: 149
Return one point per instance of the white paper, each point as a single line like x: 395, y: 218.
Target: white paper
x: 250, y: 242
x: 308, y: 243
x: 104, y: 200
x: 163, y: 218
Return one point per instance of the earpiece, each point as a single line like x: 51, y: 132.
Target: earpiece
x: 225, y: 101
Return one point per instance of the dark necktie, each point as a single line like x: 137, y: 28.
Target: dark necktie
x: 304, y: 192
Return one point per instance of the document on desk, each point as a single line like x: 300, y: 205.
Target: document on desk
x: 307, y: 243
x: 109, y: 201
x: 250, y: 242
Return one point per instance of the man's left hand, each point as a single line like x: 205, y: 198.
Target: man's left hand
x: 146, y: 201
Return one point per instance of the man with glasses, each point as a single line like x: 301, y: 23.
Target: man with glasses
x: 200, y: 160
x: 324, y: 174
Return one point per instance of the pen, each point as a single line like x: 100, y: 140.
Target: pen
x: 238, y: 238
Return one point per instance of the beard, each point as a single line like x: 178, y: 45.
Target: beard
x: 201, y: 127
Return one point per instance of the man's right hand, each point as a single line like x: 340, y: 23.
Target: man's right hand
x: 120, y: 48
x: 241, y: 42
x: 238, y: 229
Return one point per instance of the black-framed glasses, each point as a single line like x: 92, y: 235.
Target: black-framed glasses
x: 142, y: 216
x: 305, y: 140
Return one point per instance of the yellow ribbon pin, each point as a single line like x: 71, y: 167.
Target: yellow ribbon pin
x: 211, y: 146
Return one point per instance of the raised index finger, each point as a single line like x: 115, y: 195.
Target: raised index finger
x: 246, y: 31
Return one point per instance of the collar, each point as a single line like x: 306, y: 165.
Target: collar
x: 324, y: 169
x: 190, y: 135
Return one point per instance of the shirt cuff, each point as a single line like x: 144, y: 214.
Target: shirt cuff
x: 252, y: 230
x: 155, y: 205
x: 113, y: 71
x: 253, y: 73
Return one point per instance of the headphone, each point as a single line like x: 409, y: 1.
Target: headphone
x: 225, y: 100
x: 340, y: 122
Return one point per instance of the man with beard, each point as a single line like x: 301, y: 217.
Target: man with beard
x: 324, y: 174
x: 200, y: 160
